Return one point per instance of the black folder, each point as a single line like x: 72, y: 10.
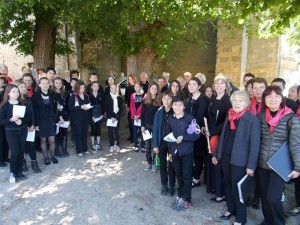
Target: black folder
x: 281, y: 162
x: 246, y: 186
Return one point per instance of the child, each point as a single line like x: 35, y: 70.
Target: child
x: 93, y: 77
x: 113, y: 108
x: 59, y: 95
x: 182, y: 152
x: 45, y: 118
x: 96, y: 97
x: 30, y: 146
x: 110, y: 81
x: 136, y: 101
x: 149, y: 108
x: 160, y: 146
x: 80, y: 117
x: 73, y: 82
x: 15, y: 129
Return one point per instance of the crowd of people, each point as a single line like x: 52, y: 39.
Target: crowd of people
x: 218, y: 133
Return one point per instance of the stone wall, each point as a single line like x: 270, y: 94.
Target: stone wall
x: 96, y: 57
x: 229, y: 53
x: 195, y: 59
x: 262, y: 57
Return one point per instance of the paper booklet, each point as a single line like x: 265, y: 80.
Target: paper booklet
x: 170, y: 138
x: 109, y: 123
x: 146, y: 135
x: 30, y: 136
x: 19, y: 111
x: 137, y: 123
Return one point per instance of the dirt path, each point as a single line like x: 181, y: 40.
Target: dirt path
x: 103, y: 189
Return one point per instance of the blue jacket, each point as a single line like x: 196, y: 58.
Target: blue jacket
x: 179, y: 128
x: 246, y: 146
x: 157, y: 127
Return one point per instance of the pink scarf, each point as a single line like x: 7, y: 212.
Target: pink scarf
x: 252, y: 108
x: 273, y: 121
x: 232, y: 116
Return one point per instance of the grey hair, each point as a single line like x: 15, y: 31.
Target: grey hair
x: 243, y: 94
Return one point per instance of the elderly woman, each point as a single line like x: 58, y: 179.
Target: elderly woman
x: 278, y: 125
x: 237, y: 150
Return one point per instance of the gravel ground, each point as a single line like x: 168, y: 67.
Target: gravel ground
x: 105, y: 188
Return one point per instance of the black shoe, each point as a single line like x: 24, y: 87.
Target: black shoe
x: 54, y: 160
x: 47, y: 161
x: 25, y: 168
x: 223, y: 217
x: 3, y: 164
x: 7, y: 160
x: 171, y: 192
x: 164, y: 190
x: 214, y: 200
x: 21, y: 177
x: 35, y: 166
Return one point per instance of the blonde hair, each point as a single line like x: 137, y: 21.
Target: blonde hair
x: 221, y: 77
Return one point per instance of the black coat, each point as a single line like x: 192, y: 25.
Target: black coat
x: 78, y: 115
x: 109, y: 107
x: 216, y: 113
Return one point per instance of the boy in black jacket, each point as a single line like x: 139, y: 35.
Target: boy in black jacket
x: 113, y: 108
x: 182, y: 152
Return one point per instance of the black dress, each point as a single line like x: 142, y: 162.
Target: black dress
x: 216, y: 115
x: 45, y: 115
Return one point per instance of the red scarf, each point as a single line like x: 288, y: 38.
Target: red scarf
x: 253, y: 107
x: 273, y: 121
x: 232, y: 116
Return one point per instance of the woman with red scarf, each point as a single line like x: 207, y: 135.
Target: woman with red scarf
x: 237, y: 151
x: 278, y: 125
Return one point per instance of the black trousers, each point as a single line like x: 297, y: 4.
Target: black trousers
x: 114, y: 134
x: 183, y: 166
x: 232, y: 175
x: 130, y: 125
x: 297, y: 190
x: 30, y: 149
x: 96, y: 129
x: 16, y: 142
x: 3, y: 145
x: 80, y: 133
x: 167, y: 172
x: 199, y: 162
x: 271, y: 188
x: 148, y: 145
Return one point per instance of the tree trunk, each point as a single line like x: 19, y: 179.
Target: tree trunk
x: 44, y: 44
x: 141, y: 62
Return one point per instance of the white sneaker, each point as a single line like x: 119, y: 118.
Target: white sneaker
x: 80, y: 154
x: 111, y: 149
x: 94, y: 147
x: 87, y: 152
x: 117, y: 149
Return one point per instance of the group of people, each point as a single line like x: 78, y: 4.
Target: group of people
x: 242, y: 131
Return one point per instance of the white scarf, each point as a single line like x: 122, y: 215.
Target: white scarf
x: 114, y: 98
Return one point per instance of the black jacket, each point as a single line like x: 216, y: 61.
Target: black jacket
x: 216, y: 113
x: 109, y: 107
x: 6, y: 113
x: 78, y: 115
x: 42, y: 111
